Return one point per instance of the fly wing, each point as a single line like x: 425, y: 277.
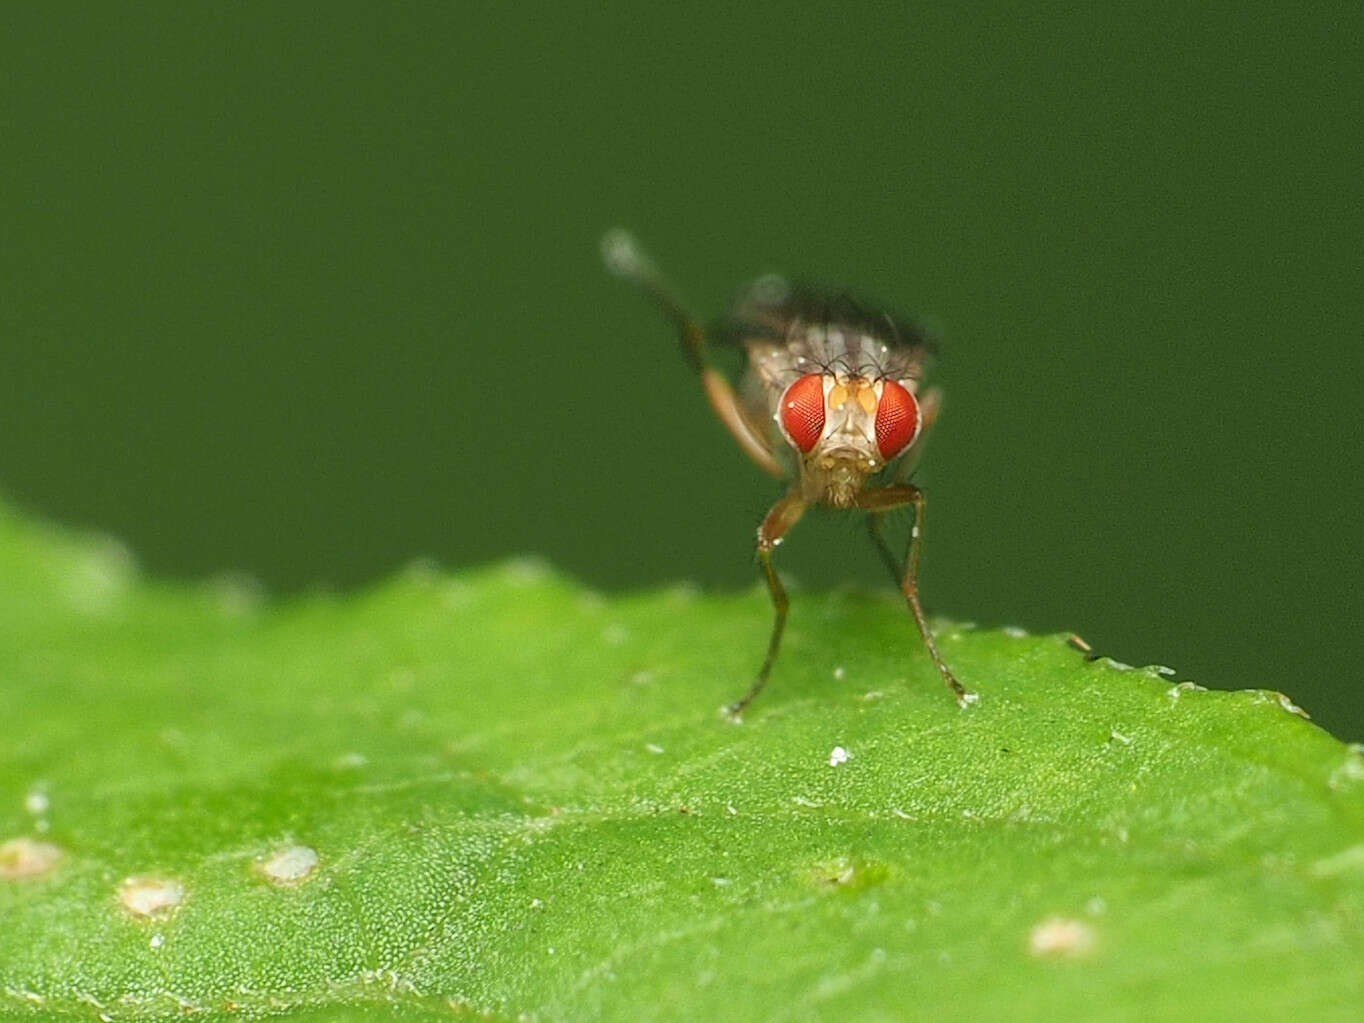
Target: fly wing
x: 790, y: 330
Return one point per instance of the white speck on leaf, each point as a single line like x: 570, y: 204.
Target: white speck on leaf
x: 1059, y: 938
x: 1014, y: 632
x: 151, y: 897
x: 1180, y: 688
x: 27, y: 858
x: 290, y: 865
x: 1291, y: 707
x: 840, y: 674
x: 36, y: 802
x: 654, y: 748
x: 157, y: 940
x: 1117, y: 736
x: 838, y: 756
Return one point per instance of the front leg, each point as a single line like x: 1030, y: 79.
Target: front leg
x: 625, y: 258
x: 877, y: 503
x: 782, y: 516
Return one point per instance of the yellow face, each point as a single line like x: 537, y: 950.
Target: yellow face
x: 854, y: 389
x: 846, y: 428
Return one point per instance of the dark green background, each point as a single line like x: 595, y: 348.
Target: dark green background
x: 312, y: 292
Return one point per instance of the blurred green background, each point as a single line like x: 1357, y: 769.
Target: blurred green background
x: 311, y: 292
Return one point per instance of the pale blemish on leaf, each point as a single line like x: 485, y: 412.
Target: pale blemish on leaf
x: 838, y: 755
x: 152, y: 898
x: 1061, y: 938
x: 847, y: 873
x: 1291, y: 707
x: 290, y: 865
x: 1180, y: 688
x: 27, y: 858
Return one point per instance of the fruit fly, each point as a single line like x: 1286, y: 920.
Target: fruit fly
x: 830, y: 401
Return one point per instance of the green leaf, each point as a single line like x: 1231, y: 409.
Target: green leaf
x: 499, y: 793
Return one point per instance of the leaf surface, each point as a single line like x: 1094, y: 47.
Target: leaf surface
x: 498, y: 793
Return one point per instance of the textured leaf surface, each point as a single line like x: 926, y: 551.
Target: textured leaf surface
x: 522, y: 800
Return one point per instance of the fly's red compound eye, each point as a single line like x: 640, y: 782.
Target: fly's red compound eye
x: 897, y: 419
x: 802, y: 411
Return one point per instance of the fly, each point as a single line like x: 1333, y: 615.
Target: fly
x: 830, y: 401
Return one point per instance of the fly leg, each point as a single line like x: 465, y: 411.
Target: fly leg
x: 893, y: 565
x: 782, y: 516
x: 877, y: 503
x: 624, y: 258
